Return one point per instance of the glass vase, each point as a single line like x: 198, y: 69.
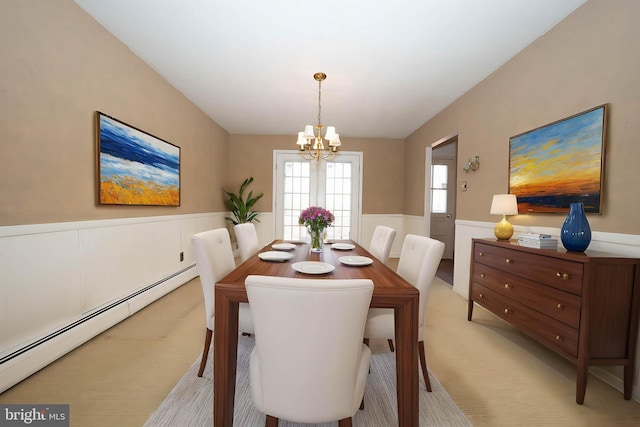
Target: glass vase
x: 317, y: 239
x: 576, y: 232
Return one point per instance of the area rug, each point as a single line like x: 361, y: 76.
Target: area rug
x: 190, y: 403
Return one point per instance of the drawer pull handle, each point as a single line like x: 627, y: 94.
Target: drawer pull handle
x: 481, y: 295
x: 558, y: 338
x: 507, y: 260
x: 480, y: 253
x: 506, y: 286
x: 482, y: 275
x: 560, y: 306
x: 564, y: 276
x: 507, y: 311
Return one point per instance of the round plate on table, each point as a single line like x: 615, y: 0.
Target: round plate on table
x: 355, y: 260
x: 276, y: 256
x: 342, y: 246
x: 312, y: 267
x: 283, y: 246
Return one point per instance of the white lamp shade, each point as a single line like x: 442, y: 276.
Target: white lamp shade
x: 308, y: 131
x: 335, y: 142
x: 330, y: 134
x: 302, y: 141
x: 504, y: 204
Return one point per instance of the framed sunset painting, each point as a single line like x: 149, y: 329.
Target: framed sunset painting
x: 560, y: 163
x: 134, y: 167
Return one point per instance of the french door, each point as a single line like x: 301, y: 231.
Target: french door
x: 334, y: 185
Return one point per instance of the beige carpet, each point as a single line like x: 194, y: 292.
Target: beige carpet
x: 496, y: 375
x: 190, y: 401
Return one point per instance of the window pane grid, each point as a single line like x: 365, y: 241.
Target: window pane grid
x: 439, y: 188
x: 338, y: 198
x: 296, y: 197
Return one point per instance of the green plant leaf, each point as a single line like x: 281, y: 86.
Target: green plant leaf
x: 239, y: 206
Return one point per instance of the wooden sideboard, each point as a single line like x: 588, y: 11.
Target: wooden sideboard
x: 584, y: 306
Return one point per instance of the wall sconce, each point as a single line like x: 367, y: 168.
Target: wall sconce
x: 472, y: 164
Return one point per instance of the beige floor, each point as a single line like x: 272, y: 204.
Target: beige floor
x: 497, y: 376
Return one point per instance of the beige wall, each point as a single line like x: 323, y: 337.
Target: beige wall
x: 57, y: 67
x: 383, y: 164
x: 590, y: 58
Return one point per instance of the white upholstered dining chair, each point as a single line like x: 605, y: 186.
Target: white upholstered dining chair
x: 418, y: 263
x: 309, y: 364
x: 381, y: 242
x: 214, y: 260
x: 247, y: 238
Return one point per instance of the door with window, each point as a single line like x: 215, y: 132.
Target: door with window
x: 334, y: 184
x: 443, y: 203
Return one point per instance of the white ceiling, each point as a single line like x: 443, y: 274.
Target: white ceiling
x: 390, y: 65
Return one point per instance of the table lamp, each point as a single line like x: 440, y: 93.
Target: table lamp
x: 504, y: 204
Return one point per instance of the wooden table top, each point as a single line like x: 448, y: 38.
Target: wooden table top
x: 387, y: 283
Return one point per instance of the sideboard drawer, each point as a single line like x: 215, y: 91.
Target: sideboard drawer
x: 561, y: 274
x: 550, y: 332
x: 562, y: 306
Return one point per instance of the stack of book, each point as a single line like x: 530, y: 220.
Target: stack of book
x: 536, y: 240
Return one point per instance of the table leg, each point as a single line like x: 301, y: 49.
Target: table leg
x: 225, y: 351
x: 406, y: 334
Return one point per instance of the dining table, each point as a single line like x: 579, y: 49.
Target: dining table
x: 345, y: 260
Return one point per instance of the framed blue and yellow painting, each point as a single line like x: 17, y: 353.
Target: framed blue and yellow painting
x: 560, y: 163
x: 134, y: 167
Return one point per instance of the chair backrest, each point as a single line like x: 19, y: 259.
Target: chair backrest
x: 247, y: 238
x: 381, y: 242
x: 214, y: 260
x: 309, y: 336
x: 418, y: 263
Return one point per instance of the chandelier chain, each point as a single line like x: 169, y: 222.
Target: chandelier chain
x: 319, y: 104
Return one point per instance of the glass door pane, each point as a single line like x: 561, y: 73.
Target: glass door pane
x: 334, y: 185
x: 296, y: 192
x: 338, y: 195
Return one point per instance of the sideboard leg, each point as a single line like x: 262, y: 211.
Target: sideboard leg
x: 470, y: 309
x: 628, y: 380
x: 581, y: 381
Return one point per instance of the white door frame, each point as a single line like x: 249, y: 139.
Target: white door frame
x: 356, y: 229
x: 427, y: 181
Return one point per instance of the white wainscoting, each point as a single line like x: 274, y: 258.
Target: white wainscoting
x: 61, y: 284
x: 53, y: 276
x: 623, y: 244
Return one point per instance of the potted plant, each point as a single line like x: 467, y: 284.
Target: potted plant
x: 240, y: 207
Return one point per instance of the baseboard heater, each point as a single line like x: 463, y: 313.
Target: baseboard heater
x: 84, y: 319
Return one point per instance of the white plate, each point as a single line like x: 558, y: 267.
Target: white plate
x: 283, y: 246
x: 343, y: 246
x: 355, y: 260
x: 275, y: 256
x: 312, y: 267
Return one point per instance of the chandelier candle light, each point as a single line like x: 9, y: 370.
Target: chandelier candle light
x: 316, y: 219
x: 311, y: 145
x: 504, y: 204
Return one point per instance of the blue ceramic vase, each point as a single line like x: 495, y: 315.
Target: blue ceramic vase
x: 575, y: 232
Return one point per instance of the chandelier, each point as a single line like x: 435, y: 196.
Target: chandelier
x: 312, y: 145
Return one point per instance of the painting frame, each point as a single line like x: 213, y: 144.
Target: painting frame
x: 560, y: 163
x: 134, y: 167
